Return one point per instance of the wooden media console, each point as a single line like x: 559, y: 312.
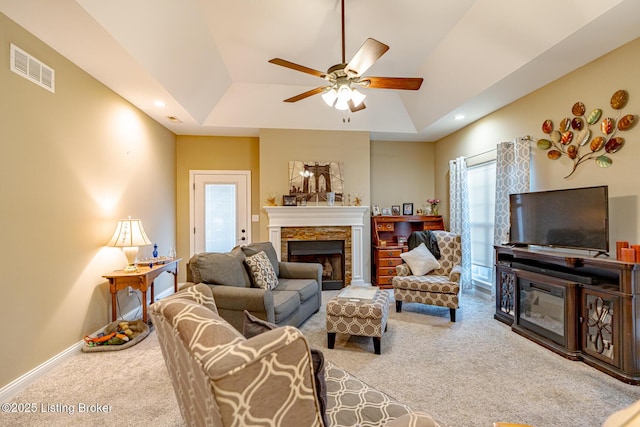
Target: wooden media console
x: 582, y: 307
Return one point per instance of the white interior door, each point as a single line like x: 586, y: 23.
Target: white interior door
x: 220, y: 210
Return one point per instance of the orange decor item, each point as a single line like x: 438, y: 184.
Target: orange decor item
x: 628, y: 254
x: 636, y: 248
x: 620, y: 245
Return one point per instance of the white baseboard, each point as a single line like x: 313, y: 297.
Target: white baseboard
x: 9, y: 391
x: 13, y: 388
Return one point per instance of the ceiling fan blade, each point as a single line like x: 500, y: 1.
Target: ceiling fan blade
x: 297, y: 67
x: 306, y: 94
x: 354, y: 107
x: 406, y: 83
x: 366, y: 56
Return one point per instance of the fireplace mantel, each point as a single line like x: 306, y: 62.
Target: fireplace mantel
x: 322, y: 216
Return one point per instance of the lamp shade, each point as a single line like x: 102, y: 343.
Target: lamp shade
x: 129, y: 232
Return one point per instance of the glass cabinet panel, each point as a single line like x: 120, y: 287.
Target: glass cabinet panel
x: 599, y: 324
x: 505, y: 295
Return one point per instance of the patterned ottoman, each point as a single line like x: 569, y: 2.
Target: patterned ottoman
x: 358, y: 316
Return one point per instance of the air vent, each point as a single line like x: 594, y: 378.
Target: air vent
x: 32, y: 69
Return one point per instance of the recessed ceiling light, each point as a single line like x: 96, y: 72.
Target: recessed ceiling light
x: 459, y: 117
x: 174, y: 119
x: 159, y: 104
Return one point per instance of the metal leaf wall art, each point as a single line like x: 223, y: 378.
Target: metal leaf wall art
x: 575, y: 139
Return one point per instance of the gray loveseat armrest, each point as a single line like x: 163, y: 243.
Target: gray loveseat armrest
x: 301, y: 270
x: 232, y: 301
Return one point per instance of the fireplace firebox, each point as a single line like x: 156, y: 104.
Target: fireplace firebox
x: 542, y: 310
x: 329, y: 253
x: 546, y: 308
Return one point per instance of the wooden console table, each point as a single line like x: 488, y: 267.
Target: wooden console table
x: 142, y: 280
x: 601, y: 305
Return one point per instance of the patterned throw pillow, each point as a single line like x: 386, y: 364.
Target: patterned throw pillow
x: 262, y: 272
x: 420, y: 260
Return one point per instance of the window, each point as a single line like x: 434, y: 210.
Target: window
x: 482, y: 190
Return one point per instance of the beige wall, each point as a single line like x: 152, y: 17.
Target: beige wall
x: 378, y: 171
x: 278, y: 147
x: 593, y: 85
x: 402, y: 172
x: 73, y: 162
x: 212, y: 153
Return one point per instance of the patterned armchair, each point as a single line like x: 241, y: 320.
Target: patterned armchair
x: 440, y: 287
x: 222, y: 379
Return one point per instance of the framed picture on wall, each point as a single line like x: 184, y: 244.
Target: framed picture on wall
x: 395, y: 210
x: 407, y: 208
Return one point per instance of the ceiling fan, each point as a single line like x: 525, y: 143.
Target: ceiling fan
x: 341, y: 91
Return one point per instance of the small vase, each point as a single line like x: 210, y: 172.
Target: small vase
x: 434, y: 210
x: 155, y: 250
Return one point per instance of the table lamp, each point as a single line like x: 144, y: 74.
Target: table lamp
x: 129, y: 235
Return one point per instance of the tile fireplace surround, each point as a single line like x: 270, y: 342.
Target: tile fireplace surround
x: 323, y: 217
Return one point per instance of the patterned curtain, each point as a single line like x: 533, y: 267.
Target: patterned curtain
x: 512, y: 176
x: 459, y: 214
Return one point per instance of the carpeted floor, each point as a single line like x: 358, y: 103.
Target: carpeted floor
x: 469, y: 373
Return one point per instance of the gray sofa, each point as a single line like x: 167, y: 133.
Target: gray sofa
x: 296, y: 297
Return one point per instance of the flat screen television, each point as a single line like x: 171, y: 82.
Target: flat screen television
x: 576, y: 218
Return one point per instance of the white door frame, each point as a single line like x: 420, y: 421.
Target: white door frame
x: 192, y: 183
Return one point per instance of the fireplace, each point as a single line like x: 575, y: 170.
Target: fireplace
x: 546, y: 308
x: 311, y: 223
x: 542, y: 310
x: 329, y: 253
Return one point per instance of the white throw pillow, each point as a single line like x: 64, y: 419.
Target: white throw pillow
x: 420, y: 260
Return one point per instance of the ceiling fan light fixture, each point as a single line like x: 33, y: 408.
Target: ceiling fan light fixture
x: 330, y: 97
x: 344, y: 92
x: 342, y: 104
x: 344, y: 96
x: 339, y: 93
x: 357, y: 97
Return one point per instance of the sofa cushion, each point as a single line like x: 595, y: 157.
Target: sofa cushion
x: 307, y: 288
x: 254, y: 326
x: 220, y: 268
x: 420, y: 260
x: 267, y: 248
x: 261, y: 271
x: 429, y: 283
x: 285, y: 303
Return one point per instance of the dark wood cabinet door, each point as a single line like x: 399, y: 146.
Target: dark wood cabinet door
x: 600, y: 312
x: 505, y: 295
